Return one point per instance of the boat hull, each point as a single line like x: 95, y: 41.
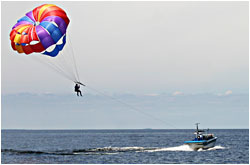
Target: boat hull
x: 204, y: 144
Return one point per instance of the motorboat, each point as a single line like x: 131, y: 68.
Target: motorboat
x: 202, y: 139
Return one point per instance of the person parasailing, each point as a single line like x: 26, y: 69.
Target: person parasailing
x: 77, y: 88
x: 42, y: 31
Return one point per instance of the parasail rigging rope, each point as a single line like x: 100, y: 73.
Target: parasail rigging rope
x: 64, y: 63
x: 74, y: 61
x: 131, y: 107
x: 54, y: 67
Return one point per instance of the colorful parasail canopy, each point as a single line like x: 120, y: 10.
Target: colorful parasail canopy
x: 42, y: 30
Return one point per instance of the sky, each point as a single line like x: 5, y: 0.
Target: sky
x: 138, y: 48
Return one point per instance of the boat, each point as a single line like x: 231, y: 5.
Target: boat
x: 202, y: 140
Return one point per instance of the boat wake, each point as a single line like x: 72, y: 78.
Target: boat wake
x: 181, y: 148
x: 177, y: 148
x: 90, y: 151
x: 213, y: 148
x: 106, y: 150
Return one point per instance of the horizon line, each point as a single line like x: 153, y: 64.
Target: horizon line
x: 76, y: 129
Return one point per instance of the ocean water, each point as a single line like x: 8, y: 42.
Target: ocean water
x: 145, y: 146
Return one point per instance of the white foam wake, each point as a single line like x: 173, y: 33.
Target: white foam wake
x: 183, y: 148
x: 213, y: 148
x: 177, y: 148
x: 115, y: 150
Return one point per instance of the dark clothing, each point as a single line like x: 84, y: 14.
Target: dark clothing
x: 77, y: 87
x: 77, y: 90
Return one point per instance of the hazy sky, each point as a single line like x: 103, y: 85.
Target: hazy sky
x: 145, y: 47
x: 139, y: 47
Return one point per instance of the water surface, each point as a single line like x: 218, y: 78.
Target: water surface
x: 145, y: 146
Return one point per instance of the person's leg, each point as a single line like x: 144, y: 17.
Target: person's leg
x: 80, y: 93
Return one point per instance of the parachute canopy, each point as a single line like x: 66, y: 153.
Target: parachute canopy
x: 42, y: 30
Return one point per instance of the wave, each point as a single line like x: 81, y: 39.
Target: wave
x: 14, y: 151
x: 106, y: 150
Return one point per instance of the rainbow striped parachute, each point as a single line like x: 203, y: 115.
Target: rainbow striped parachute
x: 42, y: 30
